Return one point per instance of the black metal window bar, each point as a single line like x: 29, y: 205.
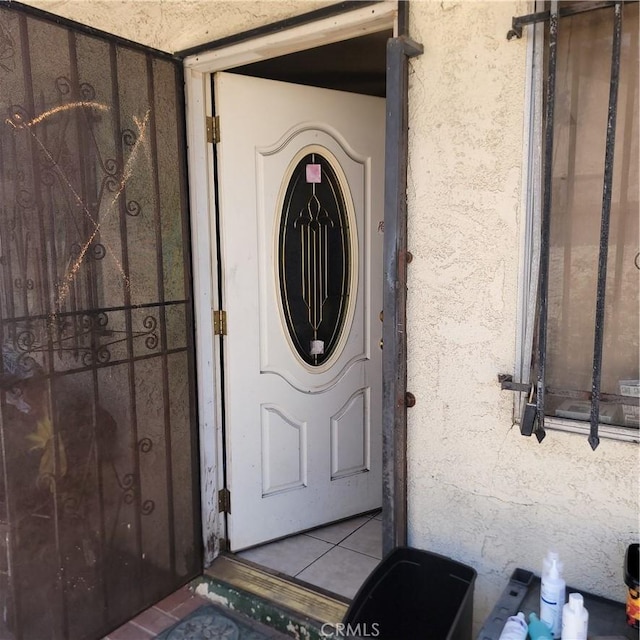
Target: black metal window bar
x: 99, y: 500
x: 534, y: 420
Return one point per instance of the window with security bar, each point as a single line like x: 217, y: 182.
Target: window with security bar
x: 582, y: 330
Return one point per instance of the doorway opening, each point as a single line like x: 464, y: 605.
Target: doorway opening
x: 357, y: 65
x: 353, y: 426
x: 353, y: 64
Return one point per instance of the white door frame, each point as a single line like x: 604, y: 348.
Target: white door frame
x: 198, y: 69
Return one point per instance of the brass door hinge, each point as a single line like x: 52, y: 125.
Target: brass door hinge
x: 220, y: 323
x: 213, y: 129
x: 224, y: 501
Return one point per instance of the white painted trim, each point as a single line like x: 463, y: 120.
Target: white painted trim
x: 202, y: 205
x: 197, y: 98
x: 530, y: 212
x: 344, y: 26
x: 608, y: 431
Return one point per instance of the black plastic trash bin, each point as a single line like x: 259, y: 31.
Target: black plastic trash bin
x: 414, y: 595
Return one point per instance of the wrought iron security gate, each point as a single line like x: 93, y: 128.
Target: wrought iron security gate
x: 98, y: 485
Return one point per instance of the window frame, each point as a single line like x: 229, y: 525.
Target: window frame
x: 528, y: 312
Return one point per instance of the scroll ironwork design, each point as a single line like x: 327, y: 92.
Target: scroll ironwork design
x: 87, y: 337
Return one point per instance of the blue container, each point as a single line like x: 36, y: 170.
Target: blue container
x: 414, y: 594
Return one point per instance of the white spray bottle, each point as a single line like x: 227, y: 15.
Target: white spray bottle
x: 552, y: 595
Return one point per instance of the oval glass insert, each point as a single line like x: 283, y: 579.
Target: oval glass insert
x: 314, y: 259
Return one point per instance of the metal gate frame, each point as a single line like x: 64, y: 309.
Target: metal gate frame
x: 60, y: 174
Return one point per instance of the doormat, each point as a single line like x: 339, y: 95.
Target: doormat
x: 210, y: 622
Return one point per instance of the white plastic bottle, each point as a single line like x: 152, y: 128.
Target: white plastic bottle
x: 575, y: 618
x: 515, y: 628
x: 552, y: 596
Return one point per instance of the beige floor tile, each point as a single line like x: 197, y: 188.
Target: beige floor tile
x: 367, y: 539
x: 336, y: 533
x: 341, y: 571
x: 289, y: 556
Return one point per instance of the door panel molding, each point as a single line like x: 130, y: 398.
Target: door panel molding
x: 357, y: 457
x: 286, y: 436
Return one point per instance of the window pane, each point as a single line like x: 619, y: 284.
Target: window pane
x: 584, y: 69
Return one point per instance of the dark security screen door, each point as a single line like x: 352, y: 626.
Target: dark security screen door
x: 99, y: 503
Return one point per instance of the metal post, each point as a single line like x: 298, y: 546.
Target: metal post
x: 594, y: 440
x: 394, y: 367
x: 546, y: 218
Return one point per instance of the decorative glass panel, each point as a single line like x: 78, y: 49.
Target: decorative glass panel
x: 314, y: 258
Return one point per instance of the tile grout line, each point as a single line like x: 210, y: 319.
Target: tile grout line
x: 316, y: 560
x: 145, y: 629
x: 360, y: 527
x: 339, y: 544
x: 166, y: 613
x: 366, y: 555
x: 369, y: 519
x: 334, y: 545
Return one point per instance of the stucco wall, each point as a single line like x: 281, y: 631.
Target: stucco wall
x: 174, y: 25
x: 478, y: 491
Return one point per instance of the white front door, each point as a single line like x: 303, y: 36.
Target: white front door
x: 301, y: 203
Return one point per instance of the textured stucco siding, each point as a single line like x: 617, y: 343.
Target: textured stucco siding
x: 174, y: 25
x: 478, y: 491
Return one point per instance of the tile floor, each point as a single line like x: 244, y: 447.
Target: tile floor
x: 337, y: 558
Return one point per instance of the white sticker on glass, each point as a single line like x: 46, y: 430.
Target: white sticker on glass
x: 317, y: 347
